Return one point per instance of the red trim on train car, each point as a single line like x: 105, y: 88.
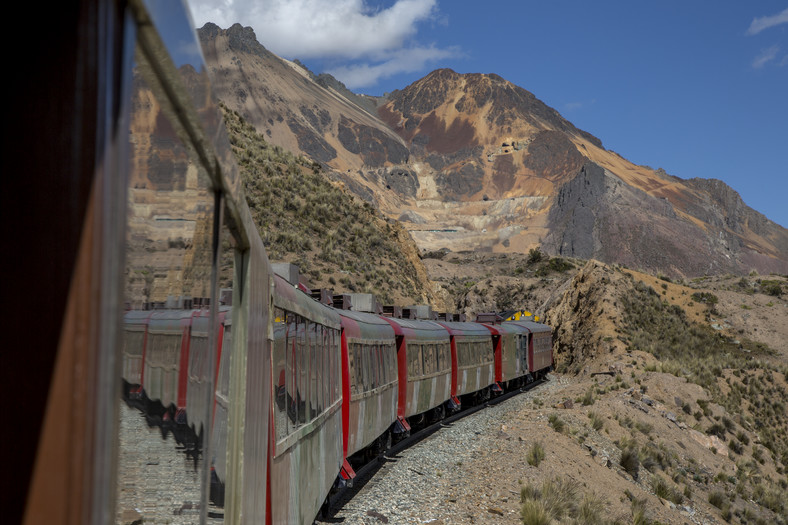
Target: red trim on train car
x: 183, y: 366
x: 402, y: 377
x: 347, y: 471
x: 345, y: 394
x: 455, y: 369
x: 497, y: 342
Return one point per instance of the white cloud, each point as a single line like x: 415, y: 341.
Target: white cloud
x: 766, y: 56
x: 765, y: 22
x: 408, y: 60
x: 364, y: 43
x: 320, y: 28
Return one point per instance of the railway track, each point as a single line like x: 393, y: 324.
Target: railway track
x: 366, y: 473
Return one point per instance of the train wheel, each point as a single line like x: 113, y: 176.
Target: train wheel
x: 384, y: 443
x: 438, y: 413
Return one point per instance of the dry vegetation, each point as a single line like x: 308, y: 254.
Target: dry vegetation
x: 689, y: 409
x: 337, y: 241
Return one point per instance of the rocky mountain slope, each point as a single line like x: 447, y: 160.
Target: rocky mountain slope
x: 337, y: 241
x: 473, y: 162
x: 669, y: 404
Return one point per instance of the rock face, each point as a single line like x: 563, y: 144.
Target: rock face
x: 473, y: 162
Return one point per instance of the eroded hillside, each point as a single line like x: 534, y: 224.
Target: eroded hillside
x: 474, y: 162
x: 337, y: 241
x: 671, y: 405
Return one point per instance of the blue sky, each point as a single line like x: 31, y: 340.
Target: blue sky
x: 699, y: 89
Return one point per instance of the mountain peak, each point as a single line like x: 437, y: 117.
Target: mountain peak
x: 471, y: 161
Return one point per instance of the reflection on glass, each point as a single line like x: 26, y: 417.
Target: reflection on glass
x: 173, y: 336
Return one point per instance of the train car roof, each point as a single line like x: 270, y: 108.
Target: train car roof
x: 140, y: 317
x: 201, y: 322
x: 170, y: 320
x: 532, y: 326
x: 465, y: 328
x: 418, y: 329
x: 288, y: 297
x: 363, y: 325
x: 506, y: 327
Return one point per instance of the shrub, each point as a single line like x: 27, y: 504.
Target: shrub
x: 535, y: 454
x: 588, y: 398
x: 665, y: 491
x: 556, y: 423
x: 533, y: 512
x: 705, y: 298
x: 596, y: 421
x: 716, y: 429
x: 717, y: 499
x: 630, y: 462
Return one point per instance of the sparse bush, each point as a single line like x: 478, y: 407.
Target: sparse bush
x: 558, y: 496
x: 556, y: 422
x: 663, y: 489
x: 630, y: 462
x: 717, y: 499
x: 535, y: 454
x: 588, y: 398
x: 771, y: 288
x: 644, y: 427
x: 533, y: 512
x: 534, y: 256
x: 716, y: 429
x: 596, y: 421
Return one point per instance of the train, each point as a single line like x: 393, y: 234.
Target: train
x: 346, y: 383
x: 128, y: 222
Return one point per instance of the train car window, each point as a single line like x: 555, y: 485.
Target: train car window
x: 133, y: 341
x: 428, y: 357
x: 351, y: 356
x: 393, y: 364
x: 198, y: 359
x: 291, y: 351
x: 367, y: 368
x: 383, y: 360
x: 280, y: 367
x: 360, y: 367
x: 414, y: 360
x: 375, y: 365
x: 325, y: 352
x: 333, y: 341
x: 382, y: 379
x: 172, y: 225
x: 303, y: 373
x: 356, y: 372
x: 382, y: 364
x: 314, y: 371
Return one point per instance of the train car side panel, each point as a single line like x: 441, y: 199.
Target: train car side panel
x: 308, y: 444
